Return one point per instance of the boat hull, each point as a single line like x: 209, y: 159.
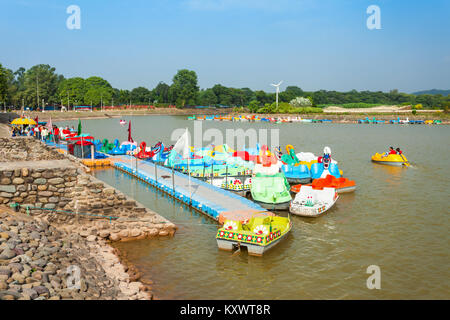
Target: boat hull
x: 390, y: 163
x: 274, y: 206
x: 252, y: 249
x: 346, y: 189
x: 299, y: 180
x: 311, y: 212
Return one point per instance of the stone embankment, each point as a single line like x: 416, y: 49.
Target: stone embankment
x: 39, y: 261
x: 72, y: 208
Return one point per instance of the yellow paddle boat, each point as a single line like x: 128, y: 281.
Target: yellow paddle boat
x: 391, y: 159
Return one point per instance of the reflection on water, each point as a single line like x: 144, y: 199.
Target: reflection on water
x: 397, y: 219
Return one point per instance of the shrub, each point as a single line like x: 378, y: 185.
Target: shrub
x: 300, y: 102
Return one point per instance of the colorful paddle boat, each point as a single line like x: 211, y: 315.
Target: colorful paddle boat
x: 258, y: 235
x: 391, y: 159
x: 310, y: 202
x: 342, y: 185
x: 271, y: 191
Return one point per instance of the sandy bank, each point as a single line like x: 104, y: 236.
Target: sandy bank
x: 72, y: 115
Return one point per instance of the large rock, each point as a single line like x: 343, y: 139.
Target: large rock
x: 6, y: 195
x: 18, y: 181
x: 18, y: 277
x: 56, y: 181
x: 40, y: 181
x: 7, y: 188
x: 45, y: 193
x: 5, y: 181
x: 135, y: 232
x: 124, y: 233
x: 4, y: 235
x: 31, y: 293
x: 7, y: 254
x: 25, y: 172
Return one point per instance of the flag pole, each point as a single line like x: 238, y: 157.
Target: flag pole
x: 189, y: 171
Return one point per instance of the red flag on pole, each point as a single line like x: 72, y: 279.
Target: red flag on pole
x: 130, y: 139
x: 49, y: 125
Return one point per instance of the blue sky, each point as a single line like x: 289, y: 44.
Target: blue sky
x: 314, y: 44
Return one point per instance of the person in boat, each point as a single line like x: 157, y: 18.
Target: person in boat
x: 391, y: 151
x: 399, y: 152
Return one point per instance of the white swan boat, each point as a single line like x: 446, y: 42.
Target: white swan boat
x: 311, y: 202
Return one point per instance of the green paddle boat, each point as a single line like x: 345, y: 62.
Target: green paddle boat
x: 271, y: 191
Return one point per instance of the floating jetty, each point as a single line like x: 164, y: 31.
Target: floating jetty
x: 210, y: 200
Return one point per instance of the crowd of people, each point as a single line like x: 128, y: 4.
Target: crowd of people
x: 41, y: 132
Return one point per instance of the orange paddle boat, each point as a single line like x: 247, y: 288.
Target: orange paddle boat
x: 342, y: 185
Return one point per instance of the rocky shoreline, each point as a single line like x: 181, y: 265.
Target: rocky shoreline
x: 40, y: 262
x: 62, y: 226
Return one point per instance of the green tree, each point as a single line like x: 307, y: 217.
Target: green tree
x: 41, y: 83
x: 3, y: 84
x: 290, y: 93
x: 141, y: 95
x: 72, y: 90
x: 207, y: 98
x: 161, y: 92
x: 254, y: 105
x: 98, y: 92
x: 184, y: 89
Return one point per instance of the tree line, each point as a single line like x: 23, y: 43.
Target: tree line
x: 41, y: 85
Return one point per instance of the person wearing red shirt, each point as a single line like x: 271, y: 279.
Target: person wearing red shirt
x: 391, y: 151
x: 399, y: 151
x: 56, y: 133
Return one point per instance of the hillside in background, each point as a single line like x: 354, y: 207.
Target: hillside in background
x: 433, y: 91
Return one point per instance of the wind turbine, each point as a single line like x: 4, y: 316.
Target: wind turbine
x: 278, y: 89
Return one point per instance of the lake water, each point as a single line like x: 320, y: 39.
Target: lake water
x: 398, y: 219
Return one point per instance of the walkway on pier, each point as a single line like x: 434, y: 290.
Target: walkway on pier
x: 215, y: 202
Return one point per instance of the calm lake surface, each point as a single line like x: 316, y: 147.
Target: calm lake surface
x: 398, y: 219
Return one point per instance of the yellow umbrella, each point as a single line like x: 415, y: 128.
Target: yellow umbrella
x: 23, y: 121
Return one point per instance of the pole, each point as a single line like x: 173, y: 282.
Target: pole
x: 92, y: 154
x: 136, y: 163
x: 156, y: 173
x: 173, y: 181
x: 212, y: 172
x: 226, y: 177
x: 37, y: 91
x: 189, y: 180
x: 204, y: 171
x: 82, y: 149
